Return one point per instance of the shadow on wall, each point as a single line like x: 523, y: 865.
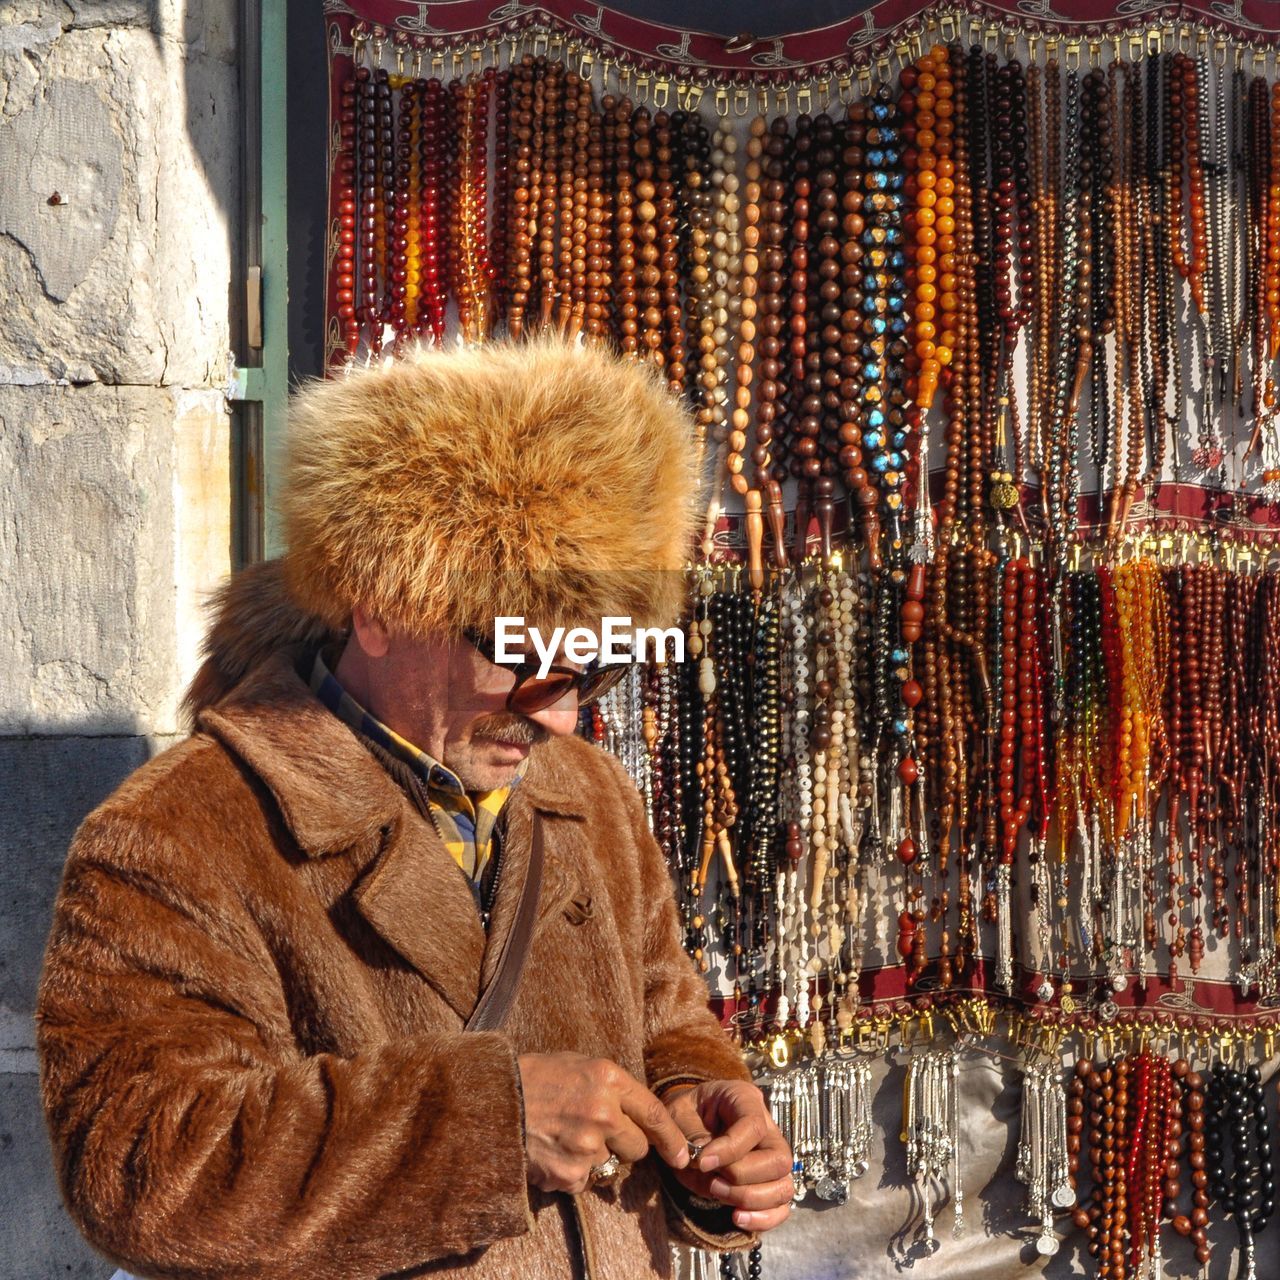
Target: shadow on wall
x: 51, y: 784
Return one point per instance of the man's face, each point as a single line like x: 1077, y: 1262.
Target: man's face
x: 448, y: 699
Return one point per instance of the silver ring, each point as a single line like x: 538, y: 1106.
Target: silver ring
x: 602, y: 1172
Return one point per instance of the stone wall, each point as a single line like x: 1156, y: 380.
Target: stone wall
x: 119, y: 163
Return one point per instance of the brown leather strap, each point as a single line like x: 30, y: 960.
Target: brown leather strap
x: 497, y: 998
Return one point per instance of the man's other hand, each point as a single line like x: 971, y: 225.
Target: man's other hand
x: 745, y: 1161
x: 578, y: 1111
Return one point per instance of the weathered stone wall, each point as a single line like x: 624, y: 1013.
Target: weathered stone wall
x: 119, y: 162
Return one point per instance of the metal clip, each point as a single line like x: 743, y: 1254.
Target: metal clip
x: 947, y: 25
x: 642, y: 86
x: 722, y: 101
x: 844, y: 89
x: 1220, y: 53
x: 1073, y: 51
x: 1135, y: 47
x: 662, y: 94
x: 741, y: 100
x: 824, y: 94
x: 1095, y: 53
x: 804, y: 99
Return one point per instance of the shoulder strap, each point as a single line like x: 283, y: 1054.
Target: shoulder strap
x: 496, y: 999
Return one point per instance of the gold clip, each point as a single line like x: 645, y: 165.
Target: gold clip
x: 844, y: 89
x: 804, y: 99
x: 662, y: 94
x: 824, y: 94
x: 1220, y: 52
x: 642, y: 86
x: 779, y: 1052
x: 741, y: 100
x: 1135, y: 47
x: 947, y: 25
x: 541, y: 37
x: 865, y: 82
x: 722, y: 101
x: 1095, y: 53
x: 1153, y: 41
x: 1073, y: 51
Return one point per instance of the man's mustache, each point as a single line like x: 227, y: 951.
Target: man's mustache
x: 509, y: 728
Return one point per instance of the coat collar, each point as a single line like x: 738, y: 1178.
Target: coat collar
x: 334, y: 796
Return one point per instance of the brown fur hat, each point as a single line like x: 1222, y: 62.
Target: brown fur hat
x: 445, y: 488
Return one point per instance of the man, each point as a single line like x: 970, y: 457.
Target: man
x: 379, y: 972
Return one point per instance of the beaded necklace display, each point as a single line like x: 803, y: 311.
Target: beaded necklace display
x: 1012, y: 740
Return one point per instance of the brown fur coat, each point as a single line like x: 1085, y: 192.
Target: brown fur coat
x: 250, y: 1017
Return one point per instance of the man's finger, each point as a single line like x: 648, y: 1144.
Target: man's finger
x: 687, y: 1117
x: 760, y: 1219
x: 743, y: 1135
x: 628, y: 1143
x: 768, y: 1162
x: 759, y: 1195
x: 643, y: 1109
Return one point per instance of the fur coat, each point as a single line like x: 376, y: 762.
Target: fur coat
x: 250, y: 1020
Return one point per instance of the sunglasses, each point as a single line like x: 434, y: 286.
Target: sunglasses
x: 533, y: 692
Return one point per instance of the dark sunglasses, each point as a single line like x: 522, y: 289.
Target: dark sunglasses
x: 532, y: 692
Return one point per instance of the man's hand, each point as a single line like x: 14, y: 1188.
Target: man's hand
x: 745, y: 1161
x: 578, y: 1110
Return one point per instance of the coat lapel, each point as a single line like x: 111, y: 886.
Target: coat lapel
x: 418, y: 901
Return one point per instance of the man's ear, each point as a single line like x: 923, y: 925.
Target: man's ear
x: 370, y: 634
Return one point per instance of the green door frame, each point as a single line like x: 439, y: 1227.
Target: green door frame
x: 260, y: 384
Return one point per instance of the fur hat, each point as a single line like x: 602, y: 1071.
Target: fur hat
x: 443, y: 489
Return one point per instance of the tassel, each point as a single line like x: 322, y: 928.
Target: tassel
x: 1004, y: 929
